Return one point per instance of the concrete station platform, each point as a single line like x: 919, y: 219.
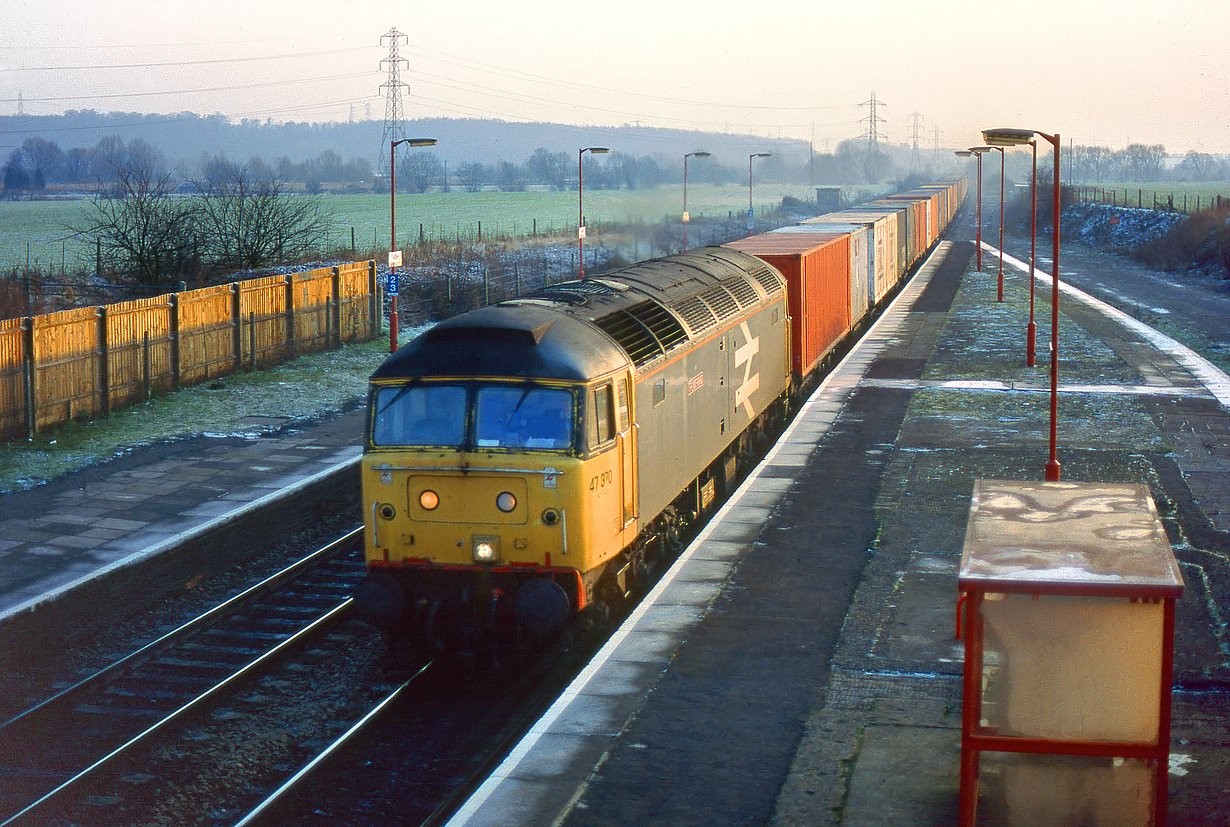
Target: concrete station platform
x: 74, y: 549
x: 797, y: 665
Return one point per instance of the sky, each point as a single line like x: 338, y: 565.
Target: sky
x: 1097, y: 72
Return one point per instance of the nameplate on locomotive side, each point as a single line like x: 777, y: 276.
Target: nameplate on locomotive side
x: 696, y: 383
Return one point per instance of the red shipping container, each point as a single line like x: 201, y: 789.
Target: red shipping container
x: 817, y: 271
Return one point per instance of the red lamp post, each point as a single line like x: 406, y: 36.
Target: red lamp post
x: 686, y: 217
x: 394, y: 252
x: 978, y: 152
x: 999, y: 289
x: 596, y: 150
x: 1031, y: 329
x: 1019, y: 137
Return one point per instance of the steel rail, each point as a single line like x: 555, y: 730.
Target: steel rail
x: 227, y: 607
x: 307, y: 769
x: 329, y: 617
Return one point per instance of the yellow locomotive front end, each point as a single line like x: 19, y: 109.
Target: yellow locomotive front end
x: 490, y: 501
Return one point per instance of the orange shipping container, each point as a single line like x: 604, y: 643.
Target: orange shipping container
x: 817, y: 271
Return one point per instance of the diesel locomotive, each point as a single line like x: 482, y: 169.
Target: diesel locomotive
x: 537, y: 458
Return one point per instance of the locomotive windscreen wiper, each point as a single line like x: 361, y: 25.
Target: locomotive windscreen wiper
x: 404, y: 390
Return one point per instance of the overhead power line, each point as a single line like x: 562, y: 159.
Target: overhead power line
x: 211, y: 61
x: 110, y: 95
x: 555, y: 81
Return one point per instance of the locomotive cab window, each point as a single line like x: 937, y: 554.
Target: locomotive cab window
x: 602, y: 416
x: 419, y: 415
x: 523, y: 416
x: 502, y: 416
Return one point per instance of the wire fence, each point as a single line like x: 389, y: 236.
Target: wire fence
x: 1184, y: 202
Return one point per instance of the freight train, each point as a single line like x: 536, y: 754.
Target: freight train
x: 538, y: 458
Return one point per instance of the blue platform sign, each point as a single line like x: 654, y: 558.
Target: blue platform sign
x: 392, y: 285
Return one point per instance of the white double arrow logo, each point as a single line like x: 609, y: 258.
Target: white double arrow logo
x: 751, y: 381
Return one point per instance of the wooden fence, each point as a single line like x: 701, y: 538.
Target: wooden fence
x: 86, y: 362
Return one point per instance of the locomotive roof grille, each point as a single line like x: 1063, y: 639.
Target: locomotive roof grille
x: 720, y: 300
x: 697, y: 314
x: 645, y: 331
x: 769, y: 280
x: 743, y: 291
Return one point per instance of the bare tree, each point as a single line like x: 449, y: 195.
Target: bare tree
x: 553, y: 168
x: 1140, y: 162
x: 510, y: 177
x: 471, y: 175
x: 417, y: 171
x: 1199, y: 166
x: 1091, y: 164
x: 142, y: 232
x: 251, y: 221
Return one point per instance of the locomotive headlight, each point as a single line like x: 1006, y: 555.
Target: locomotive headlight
x: 486, y: 549
x: 506, y: 502
x: 429, y: 500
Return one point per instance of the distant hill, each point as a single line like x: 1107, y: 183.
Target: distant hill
x: 188, y: 136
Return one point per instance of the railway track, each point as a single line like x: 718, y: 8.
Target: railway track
x: 138, y: 741
x: 62, y: 752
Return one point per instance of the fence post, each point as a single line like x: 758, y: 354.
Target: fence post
x: 104, y: 365
x: 334, y: 315
x: 28, y: 369
x: 236, y: 327
x: 352, y: 244
x: 176, y: 351
x: 145, y: 366
x: 290, y: 314
x: 373, y: 307
x: 252, y: 340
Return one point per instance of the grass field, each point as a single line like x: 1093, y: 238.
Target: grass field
x: 35, y: 232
